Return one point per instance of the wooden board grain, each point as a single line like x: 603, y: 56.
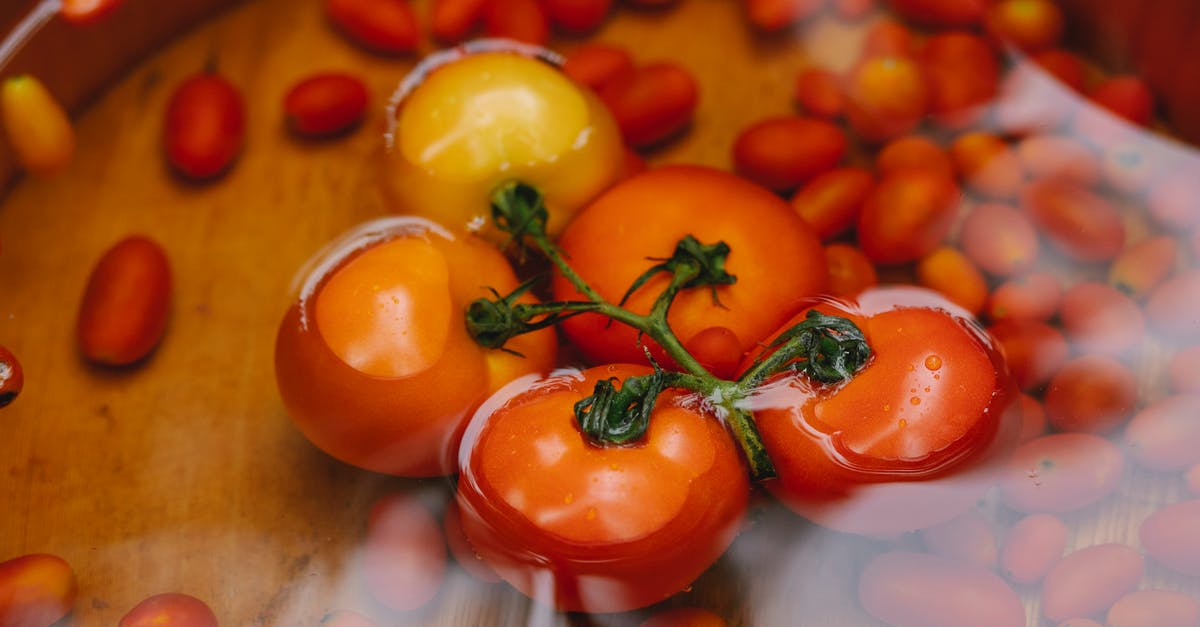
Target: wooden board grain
x: 184, y: 473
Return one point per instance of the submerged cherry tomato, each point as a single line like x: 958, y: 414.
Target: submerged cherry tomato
x: 595, y: 528
x: 774, y: 254
x: 487, y: 118
x: 904, y: 443
x: 374, y: 362
x: 36, y: 589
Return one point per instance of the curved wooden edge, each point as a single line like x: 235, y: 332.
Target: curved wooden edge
x: 76, y: 62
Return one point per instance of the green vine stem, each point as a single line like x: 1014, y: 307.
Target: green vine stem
x: 828, y: 349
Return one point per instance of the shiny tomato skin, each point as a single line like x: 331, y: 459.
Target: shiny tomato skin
x: 906, y: 215
x: 416, y: 374
x: 774, y: 254
x: 830, y: 202
x: 597, y: 528
x: 170, y: 609
x: 905, y: 443
x: 784, y: 152
x: 205, y: 126
x: 36, y: 589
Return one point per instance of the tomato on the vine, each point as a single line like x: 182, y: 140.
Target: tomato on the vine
x: 591, y: 527
x: 775, y: 256
x: 481, y: 119
x: 374, y: 361
x: 904, y: 443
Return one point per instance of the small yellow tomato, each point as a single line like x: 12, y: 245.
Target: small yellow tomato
x: 39, y: 131
x: 488, y: 118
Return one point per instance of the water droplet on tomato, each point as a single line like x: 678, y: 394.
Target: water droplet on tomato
x: 916, y: 400
x: 933, y: 362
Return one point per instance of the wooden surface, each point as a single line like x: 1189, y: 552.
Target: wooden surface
x: 185, y: 474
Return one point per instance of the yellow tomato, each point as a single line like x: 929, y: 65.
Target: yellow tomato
x: 38, y: 129
x: 490, y: 118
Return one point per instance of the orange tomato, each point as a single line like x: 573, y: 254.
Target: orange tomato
x: 1027, y: 24
x: 1092, y: 393
x: 830, y: 202
x: 36, y: 589
x: 86, y: 12
x: 913, y: 151
x: 952, y: 273
x: 886, y: 96
x: 781, y: 153
x: 906, y: 216
x: 999, y: 238
x: 718, y: 349
x: 598, y: 528
x: 819, y: 93
x: 987, y: 165
x: 850, y: 272
x: 39, y: 131
x: 170, y: 609
x: 666, y: 204
x: 373, y: 360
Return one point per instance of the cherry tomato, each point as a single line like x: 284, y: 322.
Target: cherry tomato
x: 126, y: 302
x: 913, y: 151
x: 717, y: 349
x: 1033, y: 546
x: 404, y: 553
x: 830, y: 202
x: 1034, y: 296
x: 1092, y: 393
x: 1089, y: 580
x: 1034, y: 350
x: 888, y: 37
x: 1081, y: 224
x: 1099, y: 318
x: 903, y: 444
x: 1027, y: 24
x: 652, y: 103
x: 968, y: 538
x: 373, y: 360
x: 1064, y: 65
x: 1165, y: 435
x: 1169, y: 537
x: 1000, y: 239
x: 1173, y: 309
x: 1061, y: 472
x: 941, y: 12
x: 597, y: 528
x: 12, y: 377
x: 850, y: 272
x: 451, y: 21
x: 907, y: 215
x: 819, y: 93
x: 519, y: 20
x: 383, y: 26
x: 486, y: 118
x: 1126, y: 96
x: 987, y: 165
x: 595, y: 63
x: 963, y: 76
x: 1033, y: 418
x: 1050, y: 156
x: 609, y: 244
x: 205, y: 126
x: 85, y: 12
x: 577, y: 16
x: 1183, y: 370
x: 1170, y: 201
x: 886, y: 96
x: 775, y: 15
x: 906, y: 588
x: 170, y: 609
x: 325, y: 104
x: 952, y: 273
x: 36, y: 589
x: 39, y: 131
x: 781, y: 153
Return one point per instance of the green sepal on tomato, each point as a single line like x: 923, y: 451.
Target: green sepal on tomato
x: 584, y: 527
x: 906, y: 442
x: 373, y: 360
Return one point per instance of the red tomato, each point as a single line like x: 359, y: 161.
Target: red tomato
x: 1064, y: 65
x: 781, y: 153
x: 652, y: 102
x: 819, y: 93
x: 83, y: 12
x: 1099, y: 318
x: 1034, y: 296
x: 373, y: 360
x: 888, y: 37
x: 1081, y: 224
x: 577, y: 16
x: 987, y: 165
x: 775, y: 15
x: 597, y: 528
x: 1033, y: 546
x: 907, y: 215
x: 1169, y: 536
x: 1126, y: 96
x: 854, y: 9
x: 830, y: 202
x: 595, y: 63
x: 522, y: 20
x: 1061, y: 472
x: 403, y: 554
x: 1034, y: 350
x: 170, y: 609
x: 952, y: 273
x: 963, y: 76
x: 1000, y: 239
x: 126, y: 302
x: 913, y: 151
x: 1092, y: 393
x: 12, y: 377
x: 850, y: 272
x: 325, y: 104
x: 1090, y: 580
x: 904, y: 588
x: 717, y: 349
x: 668, y: 203
x: 452, y: 21
x: 36, y: 589
x: 1027, y: 24
x: 384, y: 26
x: 941, y: 12
x: 205, y: 126
x: 1165, y: 435
x: 886, y: 96
x: 902, y: 445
